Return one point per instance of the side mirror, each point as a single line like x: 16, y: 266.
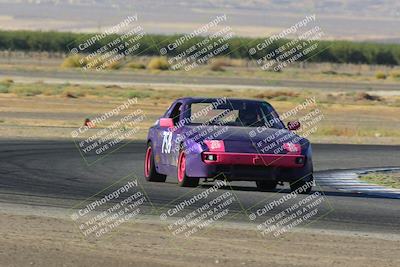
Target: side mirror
x: 166, y: 122
x: 293, y: 125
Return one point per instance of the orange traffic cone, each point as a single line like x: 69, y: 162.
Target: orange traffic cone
x: 89, y: 123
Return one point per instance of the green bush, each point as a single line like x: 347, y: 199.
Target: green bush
x: 380, y: 75
x: 326, y: 51
x: 114, y: 65
x: 158, y: 63
x: 75, y: 61
x: 5, y: 85
x: 218, y: 64
x: 395, y: 75
x: 330, y: 72
x: 8, y: 81
x: 4, y: 89
x: 134, y: 65
x: 27, y: 91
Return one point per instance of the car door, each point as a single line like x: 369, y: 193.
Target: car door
x: 169, y: 138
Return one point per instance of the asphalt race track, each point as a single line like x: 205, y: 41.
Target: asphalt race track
x: 53, y: 173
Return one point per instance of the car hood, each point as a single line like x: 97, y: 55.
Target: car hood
x: 248, y: 139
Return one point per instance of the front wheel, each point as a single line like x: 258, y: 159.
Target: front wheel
x: 183, y: 179
x: 150, y: 172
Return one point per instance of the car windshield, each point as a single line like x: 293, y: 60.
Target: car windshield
x: 234, y: 113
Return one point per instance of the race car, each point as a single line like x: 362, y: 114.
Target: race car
x: 227, y: 139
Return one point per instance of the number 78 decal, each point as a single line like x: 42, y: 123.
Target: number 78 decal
x: 167, y: 142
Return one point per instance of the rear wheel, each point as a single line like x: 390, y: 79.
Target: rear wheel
x: 150, y: 172
x: 301, y: 187
x: 266, y: 185
x: 183, y: 179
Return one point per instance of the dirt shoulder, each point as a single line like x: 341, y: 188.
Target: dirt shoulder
x: 37, y: 238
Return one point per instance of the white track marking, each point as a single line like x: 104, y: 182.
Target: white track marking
x: 349, y: 181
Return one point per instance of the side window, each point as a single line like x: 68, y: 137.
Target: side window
x: 166, y: 114
x: 175, y: 113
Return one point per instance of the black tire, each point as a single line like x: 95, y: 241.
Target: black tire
x: 183, y: 179
x: 151, y: 174
x: 266, y: 185
x: 295, y: 186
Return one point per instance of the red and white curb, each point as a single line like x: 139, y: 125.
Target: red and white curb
x: 347, y: 180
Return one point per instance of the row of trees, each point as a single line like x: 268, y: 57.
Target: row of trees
x: 150, y: 45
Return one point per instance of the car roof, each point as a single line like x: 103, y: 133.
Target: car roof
x: 202, y: 99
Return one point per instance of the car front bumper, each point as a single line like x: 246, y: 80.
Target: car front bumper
x: 250, y: 166
x: 254, y: 159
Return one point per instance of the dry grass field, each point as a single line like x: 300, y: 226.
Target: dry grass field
x: 218, y: 67
x: 41, y: 110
